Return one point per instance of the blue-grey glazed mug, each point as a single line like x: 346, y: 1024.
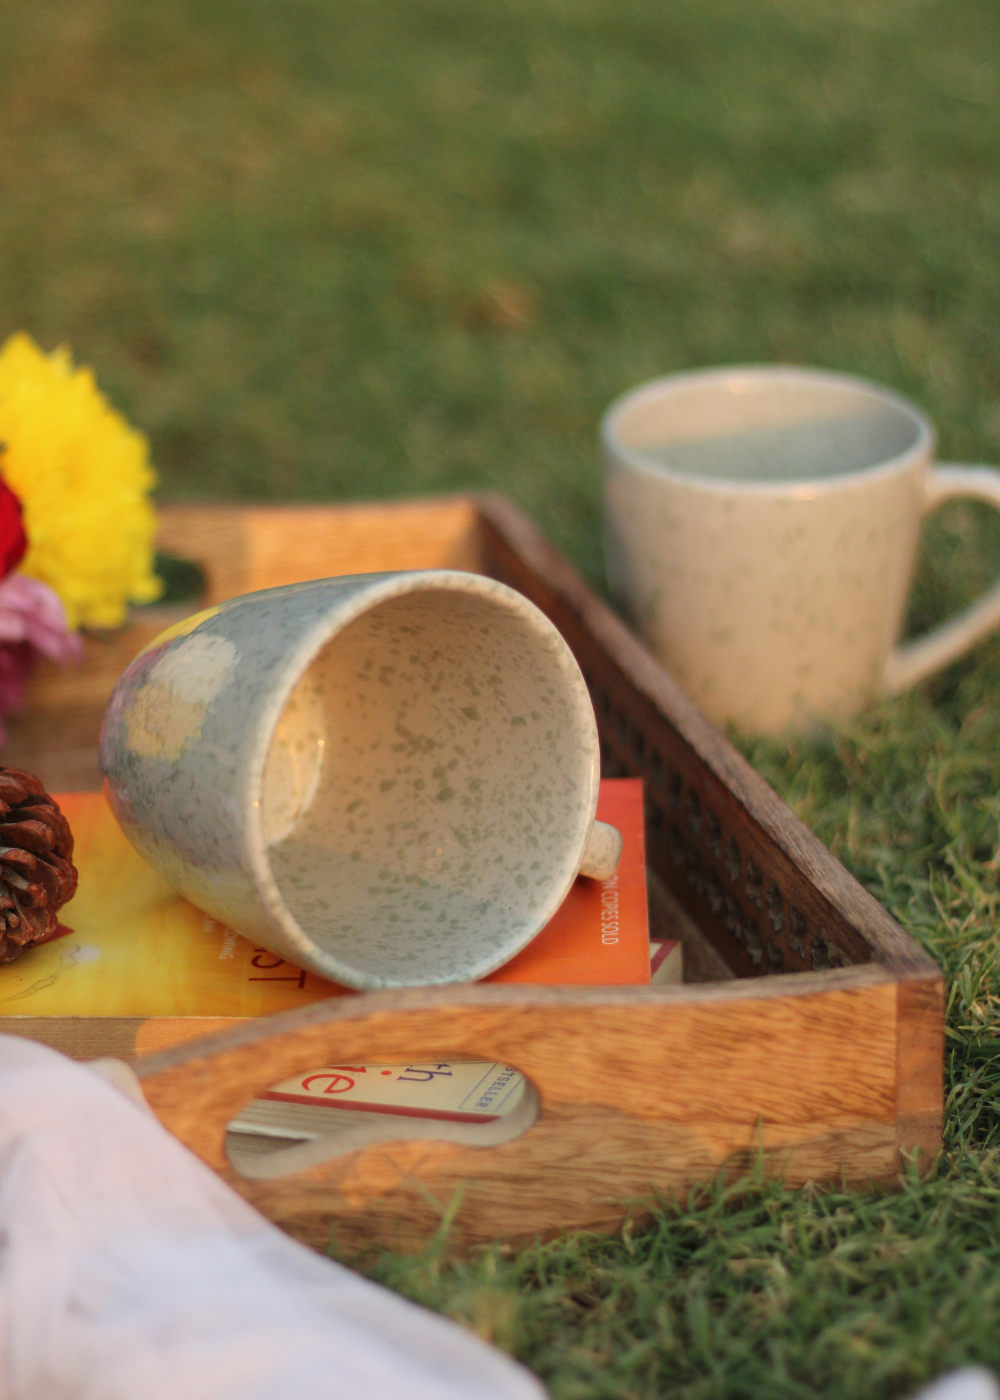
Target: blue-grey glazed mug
x: 390, y: 779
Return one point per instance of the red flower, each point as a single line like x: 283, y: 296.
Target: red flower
x: 13, y: 540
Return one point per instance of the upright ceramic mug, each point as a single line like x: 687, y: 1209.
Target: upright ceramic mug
x: 388, y: 778
x: 761, y: 531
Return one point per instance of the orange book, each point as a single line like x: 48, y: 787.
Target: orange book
x: 138, y: 967
x: 600, y: 935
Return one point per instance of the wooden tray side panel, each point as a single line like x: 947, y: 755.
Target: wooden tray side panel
x: 645, y: 1091
x: 920, y: 1009
x: 770, y: 895
x: 243, y: 549
x: 240, y: 549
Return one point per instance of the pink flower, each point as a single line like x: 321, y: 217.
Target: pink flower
x: 32, y: 624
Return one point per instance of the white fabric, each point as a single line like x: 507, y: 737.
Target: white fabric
x: 129, y: 1271
x: 972, y: 1383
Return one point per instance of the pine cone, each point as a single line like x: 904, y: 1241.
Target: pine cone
x: 37, y: 876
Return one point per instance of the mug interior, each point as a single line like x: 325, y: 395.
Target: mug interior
x: 760, y: 426
x: 429, y: 788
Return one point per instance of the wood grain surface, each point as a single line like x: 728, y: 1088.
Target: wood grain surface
x: 642, y: 1090
x: 920, y: 1007
x: 244, y: 548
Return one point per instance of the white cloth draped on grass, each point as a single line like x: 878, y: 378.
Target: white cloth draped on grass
x: 128, y: 1269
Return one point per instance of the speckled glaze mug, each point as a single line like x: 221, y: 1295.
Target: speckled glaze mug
x: 761, y: 531
x: 390, y: 779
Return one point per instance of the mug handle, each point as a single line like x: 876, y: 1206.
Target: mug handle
x: 914, y: 660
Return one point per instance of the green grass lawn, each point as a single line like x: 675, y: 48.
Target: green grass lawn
x: 319, y: 250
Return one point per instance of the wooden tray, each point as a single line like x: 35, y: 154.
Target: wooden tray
x: 813, y: 1037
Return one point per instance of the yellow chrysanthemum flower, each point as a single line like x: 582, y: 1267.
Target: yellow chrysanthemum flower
x: 83, y: 477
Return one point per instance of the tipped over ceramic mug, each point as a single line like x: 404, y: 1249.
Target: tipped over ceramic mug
x: 390, y: 779
x: 761, y: 533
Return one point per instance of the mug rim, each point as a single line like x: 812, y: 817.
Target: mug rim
x: 383, y: 588
x: 921, y: 450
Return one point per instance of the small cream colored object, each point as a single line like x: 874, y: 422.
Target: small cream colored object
x: 604, y: 851
x: 761, y: 528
